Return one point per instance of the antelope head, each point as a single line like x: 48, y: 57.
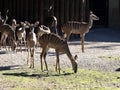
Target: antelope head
x: 93, y: 16
x: 37, y: 23
x: 75, y: 64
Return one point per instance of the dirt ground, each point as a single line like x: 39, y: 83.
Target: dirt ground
x: 102, y: 52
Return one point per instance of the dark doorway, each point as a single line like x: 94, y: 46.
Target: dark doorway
x: 100, y: 8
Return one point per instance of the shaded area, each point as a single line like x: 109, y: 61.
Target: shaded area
x: 103, y: 35
x: 105, y: 47
x: 43, y: 74
x: 9, y: 67
x: 21, y: 50
x: 50, y: 53
x: 118, y: 70
x: 99, y: 35
x: 3, y: 52
x: 6, y: 52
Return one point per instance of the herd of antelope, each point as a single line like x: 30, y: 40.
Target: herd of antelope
x: 14, y: 36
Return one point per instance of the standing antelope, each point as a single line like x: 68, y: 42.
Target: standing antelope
x: 14, y: 24
x: 21, y: 34
x: 79, y: 28
x: 3, y: 20
x: 51, y: 20
x: 8, y: 32
x: 31, y: 42
x: 60, y: 45
x: 52, y: 24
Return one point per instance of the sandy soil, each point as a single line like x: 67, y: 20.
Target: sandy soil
x: 100, y: 53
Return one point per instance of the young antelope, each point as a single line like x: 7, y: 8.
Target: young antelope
x: 60, y: 45
x: 31, y: 42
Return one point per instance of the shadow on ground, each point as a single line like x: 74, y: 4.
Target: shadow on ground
x: 43, y: 74
x: 100, y: 35
x: 9, y: 67
x: 118, y: 70
x: 2, y: 52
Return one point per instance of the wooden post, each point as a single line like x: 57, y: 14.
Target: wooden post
x: 41, y: 11
x: 83, y: 10
x: 62, y: 11
x: 26, y: 9
x: 87, y: 11
x: 72, y: 12
x: 67, y: 10
x: 35, y: 10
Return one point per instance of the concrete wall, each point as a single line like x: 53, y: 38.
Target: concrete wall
x: 114, y: 15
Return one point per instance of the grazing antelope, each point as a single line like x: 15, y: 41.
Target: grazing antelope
x: 21, y: 34
x: 60, y: 45
x: 79, y: 28
x: 31, y: 42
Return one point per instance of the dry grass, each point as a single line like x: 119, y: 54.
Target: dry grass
x: 24, y: 78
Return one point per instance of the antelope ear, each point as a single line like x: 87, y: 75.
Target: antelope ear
x: 91, y: 12
x: 75, y: 57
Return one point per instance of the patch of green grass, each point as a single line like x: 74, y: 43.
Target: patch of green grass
x: 34, y: 79
x: 110, y: 57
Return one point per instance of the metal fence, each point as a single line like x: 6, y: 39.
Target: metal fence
x: 33, y: 10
